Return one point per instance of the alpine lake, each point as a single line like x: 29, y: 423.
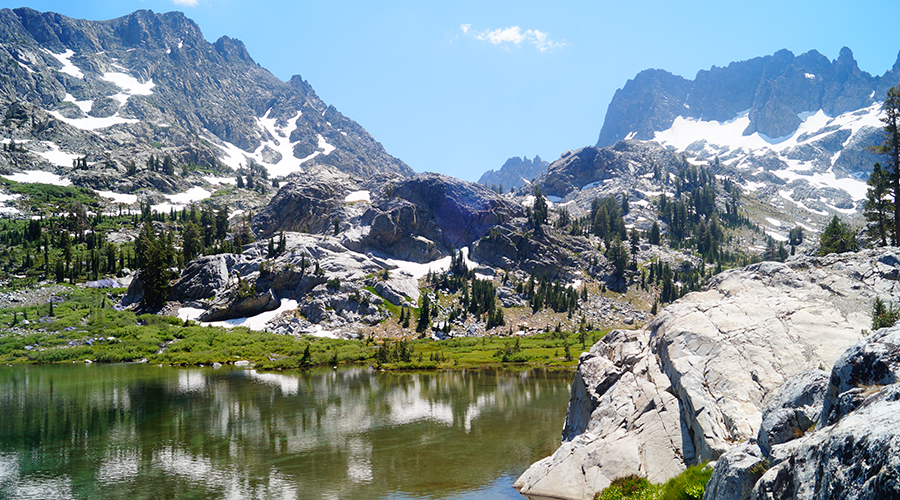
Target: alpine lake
x: 140, y: 431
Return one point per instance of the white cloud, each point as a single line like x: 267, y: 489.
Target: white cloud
x: 513, y: 36
x: 186, y: 3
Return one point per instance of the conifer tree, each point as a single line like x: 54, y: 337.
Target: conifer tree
x: 890, y: 148
x: 878, y: 209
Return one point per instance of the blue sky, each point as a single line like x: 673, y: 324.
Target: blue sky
x: 459, y: 87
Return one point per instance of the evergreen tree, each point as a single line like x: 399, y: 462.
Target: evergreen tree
x: 424, y: 314
x: 540, y: 210
x: 838, y: 237
x: 153, y: 255
x: 191, y: 244
x: 654, y: 234
x: 618, y: 257
x: 878, y: 209
x: 890, y: 148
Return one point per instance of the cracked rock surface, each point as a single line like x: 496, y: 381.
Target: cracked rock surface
x: 694, y: 381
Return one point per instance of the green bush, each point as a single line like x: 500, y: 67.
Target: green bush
x: 884, y: 316
x: 689, y: 485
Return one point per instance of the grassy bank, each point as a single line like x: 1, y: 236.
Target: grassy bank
x: 689, y: 485
x: 82, y: 324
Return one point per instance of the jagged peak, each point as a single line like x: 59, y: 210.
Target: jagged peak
x: 233, y: 49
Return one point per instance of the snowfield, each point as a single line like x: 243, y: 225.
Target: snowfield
x: 274, y: 138
x: 38, y: 176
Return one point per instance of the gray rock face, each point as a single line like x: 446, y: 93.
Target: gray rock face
x: 621, y: 420
x: 227, y: 307
x: 203, y: 277
x: 855, y: 458
x: 720, y: 355
x: 515, y: 173
x: 399, y: 290
x: 310, y: 203
x: 735, y: 474
x: 422, y: 218
x: 518, y: 246
x: 775, y: 89
x: 793, y: 409
x: 867, y: 365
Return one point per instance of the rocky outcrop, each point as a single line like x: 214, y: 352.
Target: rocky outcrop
x: 518, y: 245
x: 230, y: 307
x: 621, y: 421
x: 309, y: 204
x: 203, y: 277
x: 424, y: 217
x: 400, y: 290
x: 853, y: 452
x: 721, y: 354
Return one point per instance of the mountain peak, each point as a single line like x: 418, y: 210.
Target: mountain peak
x: 775, y: 89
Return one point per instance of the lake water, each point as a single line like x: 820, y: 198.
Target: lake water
x: 147, y: 432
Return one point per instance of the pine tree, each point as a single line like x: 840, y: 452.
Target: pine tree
x: 890, y: 148
x: 424, y: 314
x: 654, y: 234
x: 540, y: 210
x: 878, y: 207
x: 838, y: 237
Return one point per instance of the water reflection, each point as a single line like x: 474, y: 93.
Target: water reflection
x: 139, y: 431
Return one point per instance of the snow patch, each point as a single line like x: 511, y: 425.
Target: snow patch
x: 93, y: 122
x: 777, y: 237
x: 57, y: 157
x: 128, y: 199
x: 227, y: 181
x: 68, y: 67
x: 38, y: 176
x: 357, y: 196
x: 258, y: 322
x: 419, y: 271
x: 181, y: 200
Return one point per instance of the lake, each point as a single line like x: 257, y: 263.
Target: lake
x: 137, y: 431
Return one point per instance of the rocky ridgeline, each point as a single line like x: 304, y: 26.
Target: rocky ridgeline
x: 775, y: 89
x: 171, y: 92
x: 515, y: 173
x: 719, y: 368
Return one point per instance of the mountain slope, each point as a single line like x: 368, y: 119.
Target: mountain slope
x: 150, y: 83
x: 795, y: 131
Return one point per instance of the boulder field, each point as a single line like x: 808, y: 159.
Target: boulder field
x: 739, y: 373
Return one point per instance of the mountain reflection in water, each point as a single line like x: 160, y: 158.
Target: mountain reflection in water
x: 138, y: 431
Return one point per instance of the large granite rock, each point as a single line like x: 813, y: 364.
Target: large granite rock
x: 735, y: 473
x: 855, y: 452
x: 425, y: 217
x: 789, y: 413
x: 622, y: 420
x: 870, y: 363
x: 719, y: 354
x: 229, y: 307
x: 203, y: 277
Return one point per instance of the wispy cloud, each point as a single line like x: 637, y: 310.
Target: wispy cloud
x: 186, y: 3
x: 513, y: 36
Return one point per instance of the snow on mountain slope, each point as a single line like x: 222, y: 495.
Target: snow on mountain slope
x: 805, y: 167
x: 276, y: 151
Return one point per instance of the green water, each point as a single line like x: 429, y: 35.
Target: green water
x: 146, y: 432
